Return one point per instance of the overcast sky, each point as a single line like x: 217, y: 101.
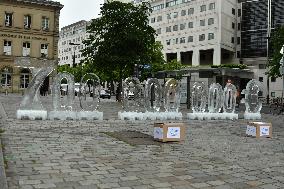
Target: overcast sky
x: 77, y: 10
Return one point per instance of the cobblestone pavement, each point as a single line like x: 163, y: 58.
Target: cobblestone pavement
x: 80, y: 154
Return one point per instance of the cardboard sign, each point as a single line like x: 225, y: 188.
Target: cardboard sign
x: 165, y: 132
x: 259, y: 129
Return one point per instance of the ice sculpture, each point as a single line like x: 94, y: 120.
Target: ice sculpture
x: 63, y: 110
x: 89, y: 96
x: 215, y: 98
x: 230, y: 94
x: 31, y: 107
x: 252, y: 102
x: 172, y: 95
x: 133, y: 100
x: 153, y: 95
x: 198, y: 98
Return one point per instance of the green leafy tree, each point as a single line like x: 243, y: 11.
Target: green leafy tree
x: 119, y: 39
x: 77, y: 71
x: 277, y: 42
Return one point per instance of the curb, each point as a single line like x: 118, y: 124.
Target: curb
x: 3, y: 180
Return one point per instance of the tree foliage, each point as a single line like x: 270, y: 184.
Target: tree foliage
x: 119, y: 39
x: 277, y: 42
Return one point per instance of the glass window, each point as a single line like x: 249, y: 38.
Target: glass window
x: 260, y: 79
x: 27, y: 21
x: 24, y: 78
x: 182, y: 26
x: 239, y: 12
x: 202, y: 37
x: 159, y: 18
x: 202, y: 22
x: 238, y: 40
x: 7, y: 47
x: 8, y: 19
x: 169, y: 16
x: 182, y: 40
x: 190, y: 24
x: 202, y: 8
x: 175, y: 15
x: 190, y: 11
x: 211, y: 6
x: 45, y: 23
x: 272, y: 94
x: 175, y: 28
x: 233, y: 11
x: 26, y: 49
x: 210, y: 36
x: 239, y: 26
x: 6, y: 77
x: 153, y: 20
x: 232, y: 40
x: 183, y: 12
x: 210, y: 21
x: 233, y: 25
x: 159, y: 31
x: 168, y: 41
x: 190, y: 39
x: 44, y: 50
x: 168, y: 29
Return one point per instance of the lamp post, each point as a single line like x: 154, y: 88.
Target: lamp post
x: 73, y: 58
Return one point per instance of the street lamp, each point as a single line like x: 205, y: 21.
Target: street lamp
x: 74, y: 44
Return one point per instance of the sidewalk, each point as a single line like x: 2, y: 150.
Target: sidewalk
x: 82, y: 154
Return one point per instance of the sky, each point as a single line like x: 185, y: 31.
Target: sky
x: 76, y: 10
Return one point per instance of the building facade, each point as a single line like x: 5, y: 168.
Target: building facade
x: 29, y: 32
x: 71, y: 42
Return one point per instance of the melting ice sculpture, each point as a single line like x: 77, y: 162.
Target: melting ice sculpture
x: 132, y: 95
x: 63, y: 110
x: 252, y: 102
x: 215, y: 98
x: 31, y: 106
x: 89, y: 92
x: 198, y: 98
x: 230, y: 94
x: 89, y: 96
x: 172, y: 96
x: 153, y: 95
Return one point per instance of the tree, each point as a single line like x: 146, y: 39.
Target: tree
x: 277, y: 42
x: 119, y: 39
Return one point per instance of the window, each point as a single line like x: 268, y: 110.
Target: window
x: 183, y: 13
x: 153, y: 20
x: 175, y: 28
x: 6, y: 77
x: 190, y: 24
x: 190, y: 11
x: 182, y: 40
x: 273, y: 79
x: 239, y: 12
x: 233, y: 25
x: 168, y: 41
x: 210, y: 36
x: 159, y: 18
x: 175, y: 41
x: 182, y: 26
x: 24, y: 78
x: 210, y: 21
x: 7, y: 47
x: 232, y: 40
x: 44, y: 50
x: 272, y: 94
x: 202, y: 37
x: 202, y: 8
x: 175, y: 15
x: 238, y: 40
x: 169, y: 16
x: 26, y: 49
x: 260, y: 79
x: 27, y: 21
x: 238, y: 54
x: 168, y: 29
x: 190, y: 39
x: 202, y: 22
x: 239, y: 26
x: 45, y: 23
x: 211, y: 6
x: 233, y: 11
x: 159, y: 31
x: 8, y: 19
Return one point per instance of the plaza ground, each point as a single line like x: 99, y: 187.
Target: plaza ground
x: 82, y: 154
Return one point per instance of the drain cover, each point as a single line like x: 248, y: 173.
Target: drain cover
x: 133, y: 138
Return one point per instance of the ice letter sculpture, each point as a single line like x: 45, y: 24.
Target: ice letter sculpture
x: 89, y: 96
x: 198, y: 101
x: 153, y: 95
x: 215, y: 98
x: 252, y: 102
x: 172, y: 100
x: 31, y: 107
x: 63, y: 110
x: 132, y: 100
x: 230, y: 94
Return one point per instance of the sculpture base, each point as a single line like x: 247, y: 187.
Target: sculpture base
x: 212, y: 116
x: 90, y: 115
x: 252, y: 116
x: 150, y: 116
x: 32, y: 114
x: 62, y: 115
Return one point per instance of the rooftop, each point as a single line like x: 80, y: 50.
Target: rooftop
x: 41, y: 2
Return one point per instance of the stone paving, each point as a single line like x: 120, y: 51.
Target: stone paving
x: 80, y: 155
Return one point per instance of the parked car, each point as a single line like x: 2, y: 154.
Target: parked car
x: 105, y: 94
